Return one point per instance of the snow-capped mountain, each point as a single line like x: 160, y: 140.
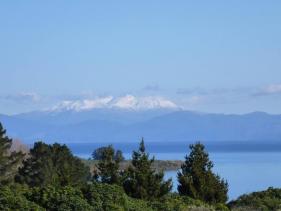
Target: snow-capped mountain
x: 128, y: 102
x: 127, y: 118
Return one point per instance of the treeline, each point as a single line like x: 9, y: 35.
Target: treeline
x: 158, y: 165
x: 50, y: 177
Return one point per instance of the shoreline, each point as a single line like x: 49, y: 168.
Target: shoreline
x: 158, y: 165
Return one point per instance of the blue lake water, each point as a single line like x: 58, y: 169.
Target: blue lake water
x: 246, y: 168
x: 245, y: 172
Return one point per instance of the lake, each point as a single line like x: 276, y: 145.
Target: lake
x: 245, y: 172
x: 247, y: 167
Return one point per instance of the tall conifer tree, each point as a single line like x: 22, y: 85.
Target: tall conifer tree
x: 142, y: 181
x: 197, y: 180
x: 9, y: 161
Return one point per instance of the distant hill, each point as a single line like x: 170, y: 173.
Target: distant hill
x: 121, y: 125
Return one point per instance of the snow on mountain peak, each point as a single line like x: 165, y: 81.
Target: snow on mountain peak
x: 80, y: 105
x: 143, y: 103
x: 125, y: 102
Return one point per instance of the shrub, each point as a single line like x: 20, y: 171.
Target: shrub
x: 53, y: 198
x: 112, y: 197
x: 105, y: 196
x: 175, y: 202
x: 13, y: 198
x: 269, y: 199
x: 170, y: 203
x: 138, y: 205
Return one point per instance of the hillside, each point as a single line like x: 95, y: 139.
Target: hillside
x: 101, y: 125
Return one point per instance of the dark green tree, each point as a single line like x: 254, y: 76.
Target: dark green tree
x: 52, y: 165
x: 9, y: 160
x: 119, y: 155
x: 141, y: 180
x: 108, y: 166
x: 197, y: 180
x: 98, y: 153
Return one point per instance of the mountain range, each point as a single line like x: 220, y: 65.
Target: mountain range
x: 162, y: 121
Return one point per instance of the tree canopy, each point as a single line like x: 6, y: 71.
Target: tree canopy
x: 141, y: 181
x: 197, y: 180
x: 108, y: 165
x: 99, y: 153
x: 9, y: 160
x: 52, y: 165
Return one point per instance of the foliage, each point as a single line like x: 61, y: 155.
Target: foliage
x: 52, y: 165
x: 134, y: 204
x: 94, y: 197
x: 197, y: 180
x: 175, y: 202
x: 112, y: 197
x: 143, y: 182
x: 59, y: 198
x: 171, y: 202
x: 221, y: 207
x: 269, y: 199
x: 108, y: 166
x: 98, y: 153
x: 13, y: 198
x: 53, y: 179
x: 105, y: 196
x: 9, y: 160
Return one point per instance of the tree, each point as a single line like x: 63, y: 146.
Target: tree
x: 99, y: 153
x: 141, y: 181
x: 119, y: 155
x: 9, y: 160
x: 197, y: 180
x: 108, y: 165
x: 52, y: 165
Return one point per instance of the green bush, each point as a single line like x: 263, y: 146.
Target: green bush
x: 170, y: 203
x: 13, y: 198
x: 52, y: 198
x: 94, y: 197
x: 137, y: 205
x: 112, y: 197
x: 221, y: 207
x: 267, y: 200
x: 105, y: 196
x: 175, y: 202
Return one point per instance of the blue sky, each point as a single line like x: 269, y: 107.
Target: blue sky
x: 213, y: 56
